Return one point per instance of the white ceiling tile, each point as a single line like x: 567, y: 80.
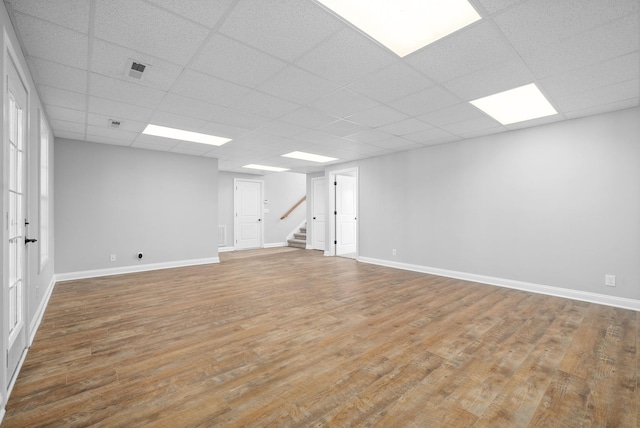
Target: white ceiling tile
x: 493, y: 6
x: 404, y: 127
x: 184, y: 106
x: 116, y: 134
x: 72, y: 14
x: 362, y: 149
x: 307, y: 117
x: 346, y: 57
x: 431, y: 136
x: 111, y: 60
x: 342, y: 128
x: 369, y: 136
x: 283, y: 28
x: 281, y: 129
x: 153, y: 142
x: 160, y: 34
x: 177, y: 121
x: 100, y: 120
x: 343, y: 103
x: 603, y: 108
x: 58, y: 75
x: 120, y: 110
x: 534, y: 122
x: 177, y: 104
x: 602, y: 43
x: 397, y: 144
x: 378, y: 116
x: 616, y: 70
x: 189, y: 148
x: 431, y: 99
x: 65, y: 126
x: 125, y: 92
x: 470, y: 125
x: 264, y: 105
x: 483, y: 132
x: 393, y: 82
x: 535, y: 24
x: 62, y: 113
x: 323, y: 150
x: 241, y: 64
x: 254, y: 140
x: 470, y: 49
x: 231, y: 117
x: 222, y: 130
x: 48, y: 41
x: 491, y: 80
x: 453, y: 114
x: 206, y: 88
x: 62, y: 97
x: 604, y: 95
x: 207, y: 13
x: 297, y: 85
x: 317, y: 137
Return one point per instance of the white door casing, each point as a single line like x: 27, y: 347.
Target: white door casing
x: 318, y: 239
x: 248, y: 230
x: 346, y: 214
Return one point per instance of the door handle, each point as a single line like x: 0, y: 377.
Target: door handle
x: 314, y: 218
x: 259, y: 219
x: 27, y: 241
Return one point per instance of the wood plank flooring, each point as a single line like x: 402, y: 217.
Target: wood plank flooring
x: 286, y: 337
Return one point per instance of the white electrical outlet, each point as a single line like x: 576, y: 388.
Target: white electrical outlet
x: 610, y: 280
x: 393, y: 252
x: 112, y: 257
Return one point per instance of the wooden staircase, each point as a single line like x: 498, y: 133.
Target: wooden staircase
x: 299, y: 238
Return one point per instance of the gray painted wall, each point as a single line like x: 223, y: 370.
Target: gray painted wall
x: 555, y: 205
x: 121, y: 200
x: 282, y: 190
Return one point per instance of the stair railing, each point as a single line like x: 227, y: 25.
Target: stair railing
x: 293, y: 208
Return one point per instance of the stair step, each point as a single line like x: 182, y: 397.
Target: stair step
x: 300, y: 236
x: 298, y: 243
x: 303, y: 229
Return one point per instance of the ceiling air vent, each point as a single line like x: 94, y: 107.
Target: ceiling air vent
x: 135, y: 69
x: 114, y: 123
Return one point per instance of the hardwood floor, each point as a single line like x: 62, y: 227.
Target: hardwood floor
x: 288, y: 337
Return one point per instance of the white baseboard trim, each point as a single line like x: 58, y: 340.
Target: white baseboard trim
x: 68, y: 276
x: 2, y: 411
x: 586, y: 296
x: 275, y: 245
x: 37, y: 319
x: 226, y: 249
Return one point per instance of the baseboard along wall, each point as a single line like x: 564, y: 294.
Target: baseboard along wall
x: 602, y: 299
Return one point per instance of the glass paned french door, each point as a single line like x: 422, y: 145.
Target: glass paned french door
x: 16, y: 217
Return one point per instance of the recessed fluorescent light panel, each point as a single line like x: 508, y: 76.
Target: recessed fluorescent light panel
x: 265, y: 168
x: 309, y: 157
x: 516, y: 105
x: 180, y: 134
x: 404, y: 26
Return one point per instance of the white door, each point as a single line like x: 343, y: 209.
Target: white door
x: 14, y: 280
x: 346, y: 215
x: 318, y: 239
x: 248, y: 208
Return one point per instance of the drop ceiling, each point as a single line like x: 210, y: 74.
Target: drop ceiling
x: 278, y: 76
